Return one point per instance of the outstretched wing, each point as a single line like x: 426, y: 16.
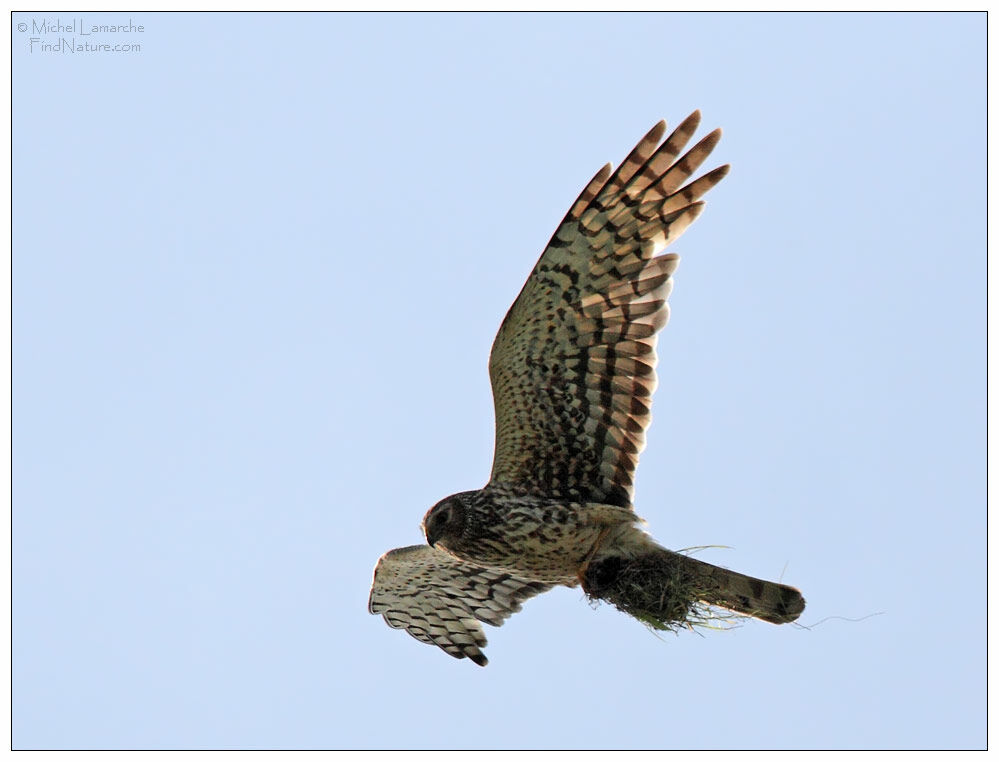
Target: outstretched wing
x: 440, y: 600
x: 573, y: 364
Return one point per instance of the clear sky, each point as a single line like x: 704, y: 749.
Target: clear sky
x: 258, y: 265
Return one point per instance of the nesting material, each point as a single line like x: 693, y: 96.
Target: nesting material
x: 656, y: 589
x: 669, y: 591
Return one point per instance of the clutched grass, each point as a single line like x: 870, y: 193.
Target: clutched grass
x: 655, y: 589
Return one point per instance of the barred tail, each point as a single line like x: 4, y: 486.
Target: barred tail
x: 769, y: 601
x: 661, y: 588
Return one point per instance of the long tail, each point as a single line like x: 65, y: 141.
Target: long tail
x: 769, y: 601
x: 660, y: 588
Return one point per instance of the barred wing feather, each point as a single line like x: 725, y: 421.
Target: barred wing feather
x: 573, y: 364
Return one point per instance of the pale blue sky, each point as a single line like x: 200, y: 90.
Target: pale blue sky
x: 258, y: 266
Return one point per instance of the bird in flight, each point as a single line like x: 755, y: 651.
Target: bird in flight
x: 573, y: 372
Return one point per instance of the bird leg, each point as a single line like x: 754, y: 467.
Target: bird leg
x: 581, y: 573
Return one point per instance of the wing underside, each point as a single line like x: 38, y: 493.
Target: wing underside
x: 441, y: 600
x: 573, y: 364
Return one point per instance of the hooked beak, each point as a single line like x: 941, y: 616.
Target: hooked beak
x: 432, y: 539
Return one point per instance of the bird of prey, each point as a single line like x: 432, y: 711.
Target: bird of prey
x: 573, y: 372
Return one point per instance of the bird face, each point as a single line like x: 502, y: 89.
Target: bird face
x: 445, y: 521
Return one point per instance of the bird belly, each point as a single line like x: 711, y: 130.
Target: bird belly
x: 546, y: 543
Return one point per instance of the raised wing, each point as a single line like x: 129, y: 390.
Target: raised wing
x: 440, y: 600
x: 573, y: 364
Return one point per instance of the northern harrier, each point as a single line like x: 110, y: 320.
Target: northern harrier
x: 573, y: 371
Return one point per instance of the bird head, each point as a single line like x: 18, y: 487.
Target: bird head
x: 445, y: 521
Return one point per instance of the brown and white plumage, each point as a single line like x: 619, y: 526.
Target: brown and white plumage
x: 441, y: 600
x: 573, y: 372
x: 573, y: 364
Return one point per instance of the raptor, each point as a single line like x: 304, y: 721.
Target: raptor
x: 573, y: 373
